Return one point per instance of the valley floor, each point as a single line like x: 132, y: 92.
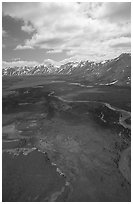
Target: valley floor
x: 65, y: 141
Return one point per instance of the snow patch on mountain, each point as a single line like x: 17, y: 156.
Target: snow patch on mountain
x: 107, y: 72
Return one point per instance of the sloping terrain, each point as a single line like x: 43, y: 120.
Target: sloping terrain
x: 116, y: 71
x: 62, y: 144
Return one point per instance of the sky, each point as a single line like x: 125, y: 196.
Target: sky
x: 34, y: 33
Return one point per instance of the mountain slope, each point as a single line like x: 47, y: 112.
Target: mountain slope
x: 115, y: 71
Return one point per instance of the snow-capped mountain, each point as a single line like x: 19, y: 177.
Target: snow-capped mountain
x: 114, y: 71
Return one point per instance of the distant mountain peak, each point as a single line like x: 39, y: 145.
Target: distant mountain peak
x: 113, y: 71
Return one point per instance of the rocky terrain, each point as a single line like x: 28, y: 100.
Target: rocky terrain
x: 64, y: 140
x: 115, y: 71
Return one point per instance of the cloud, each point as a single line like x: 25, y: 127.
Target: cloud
x: 16, y: 59
x: 18, y: 63
x: 121, y: 42
x: 101, y: 50
x: 50, y: 61
x: 4, y: 33
x: 3, y: 46
x: 118, y: 11
x: 25, y: 47
x: 28, y: 28
x: 84, y: 29
x: 54, y: 51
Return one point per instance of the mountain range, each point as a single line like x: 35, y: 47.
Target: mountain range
x: 114, y: 71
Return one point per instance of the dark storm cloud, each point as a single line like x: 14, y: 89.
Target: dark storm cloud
x: 13, y: 27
